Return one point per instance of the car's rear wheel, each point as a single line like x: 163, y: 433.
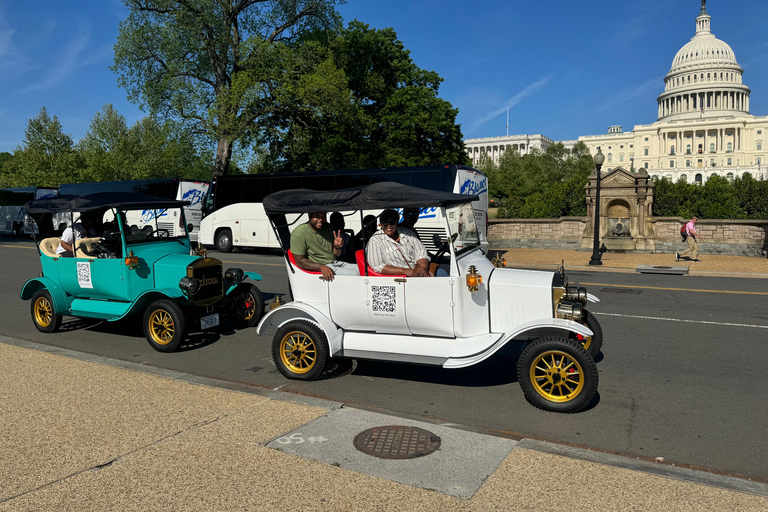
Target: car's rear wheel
x: 224, y: 240
x: 247, y: 305
x: 557, y: 375
x: 164, y: 325
x: 300, y: 350
x: 43, y: 313
x: 592, y: 344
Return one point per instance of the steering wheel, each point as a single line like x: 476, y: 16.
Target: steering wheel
x: 162, y: 233
x: 443, y: 246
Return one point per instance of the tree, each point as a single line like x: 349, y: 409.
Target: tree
x: 211, y: 63
x: 104, y: 147
x: 355, y: 99
x: 47, y: 157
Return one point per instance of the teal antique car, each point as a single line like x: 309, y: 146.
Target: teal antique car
x: 125, y: 271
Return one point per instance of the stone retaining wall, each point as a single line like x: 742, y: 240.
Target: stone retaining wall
x: 731, y: 237
x: 562, y: 233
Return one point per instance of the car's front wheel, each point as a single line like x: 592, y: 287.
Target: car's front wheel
x: 43, y: 313
x: 164, y: 325
x: 224, y: 240
x: 300, y: 350
x: 247, y: 305
x: 557, y: 375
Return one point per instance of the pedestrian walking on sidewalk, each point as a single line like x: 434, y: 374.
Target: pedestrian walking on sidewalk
x: 691, y: 237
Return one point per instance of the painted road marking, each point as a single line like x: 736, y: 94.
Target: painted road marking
x: 17, y: 246
x: 672, y: 289
x: 685, y: 321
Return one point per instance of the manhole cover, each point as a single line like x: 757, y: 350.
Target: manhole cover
x: 621, y: 290
x: 397, y: 442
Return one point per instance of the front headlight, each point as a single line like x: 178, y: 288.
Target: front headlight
x: 574, y: 294
x: 189, y: 285
x: 235, y: 275
x: 569, y: 311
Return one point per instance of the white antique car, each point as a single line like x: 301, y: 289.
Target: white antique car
x: 453, y: 322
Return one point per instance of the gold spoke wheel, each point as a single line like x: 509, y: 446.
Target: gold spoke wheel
x: 556, y: 376
x: 161, y: 327
x: 43, y: 311
x: 298, y: 352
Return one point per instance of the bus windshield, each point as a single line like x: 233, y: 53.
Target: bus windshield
x: 163, y: 224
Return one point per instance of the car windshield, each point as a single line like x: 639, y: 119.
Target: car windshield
x: 461, y: 221
x: 143, y: 226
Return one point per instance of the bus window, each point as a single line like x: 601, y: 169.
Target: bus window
x: 254, y: 191
x: 318, y: 182
x: 429, y: 180
x: 228, y: 192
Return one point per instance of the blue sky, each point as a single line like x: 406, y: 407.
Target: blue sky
x: 563, y: 68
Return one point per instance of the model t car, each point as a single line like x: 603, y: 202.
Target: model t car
x: 123, y: 271
x: 452, y: 322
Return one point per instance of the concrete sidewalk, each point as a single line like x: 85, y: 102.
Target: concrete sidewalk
x: 82, y: 432
x: 710, y: 265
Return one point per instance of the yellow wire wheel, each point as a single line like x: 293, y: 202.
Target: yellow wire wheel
x: 161, y: 327
x: 164, y: 325
x: 44, y: 312
x: 300, y: 350
x: 557, y: 374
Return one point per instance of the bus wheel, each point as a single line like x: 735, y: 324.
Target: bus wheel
x: 300, y: 350
x: 224, y: 240
x: 43, y: 314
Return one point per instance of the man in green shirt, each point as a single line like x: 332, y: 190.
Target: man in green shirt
x: 315, y: 247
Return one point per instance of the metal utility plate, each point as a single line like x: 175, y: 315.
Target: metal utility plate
x: 662, y: 269
x: 458, y: 468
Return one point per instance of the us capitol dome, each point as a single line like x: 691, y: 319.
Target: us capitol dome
x: 703, y: 127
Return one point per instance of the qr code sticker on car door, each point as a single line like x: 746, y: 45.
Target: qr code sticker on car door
x: 383, y: 299
x: 84, y: 274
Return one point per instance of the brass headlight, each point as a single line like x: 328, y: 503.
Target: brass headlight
x: 574, y: 294
x: 569, y: 311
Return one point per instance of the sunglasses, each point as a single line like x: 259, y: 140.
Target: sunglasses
x: 388, y: 222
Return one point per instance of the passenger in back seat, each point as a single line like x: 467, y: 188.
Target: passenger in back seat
x: 315, y: 246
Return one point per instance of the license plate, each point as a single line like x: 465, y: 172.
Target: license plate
x: 209, y: 321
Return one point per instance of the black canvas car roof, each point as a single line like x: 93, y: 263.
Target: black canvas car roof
x: 371, y: 197
x: 100, y: 201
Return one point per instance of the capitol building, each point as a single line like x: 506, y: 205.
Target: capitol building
x: 703, y: 125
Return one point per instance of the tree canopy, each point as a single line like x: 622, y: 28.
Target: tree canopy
x: 110, y: 150
x: 356, y: 99
x: 212, y: 64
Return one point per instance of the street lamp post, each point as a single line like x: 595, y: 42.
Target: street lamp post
x: 599, y: 159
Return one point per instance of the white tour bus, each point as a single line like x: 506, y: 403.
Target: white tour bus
x: 233, y: 215
x: 167, y: 188
x: 13, y: 220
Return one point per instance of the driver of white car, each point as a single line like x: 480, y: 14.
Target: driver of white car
x: 396, y: 250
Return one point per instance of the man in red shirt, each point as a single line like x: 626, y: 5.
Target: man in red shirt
x: 693, y: 244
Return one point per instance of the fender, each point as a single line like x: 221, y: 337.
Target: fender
x: 57, y: 294
x: 234, y: 286
x: 537, y: 328
x: 142, y: 301
x: 301, y: 311
x: 592, y: 298
x: 253, y: 275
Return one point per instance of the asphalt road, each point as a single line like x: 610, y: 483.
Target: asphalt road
x: 682, y: 372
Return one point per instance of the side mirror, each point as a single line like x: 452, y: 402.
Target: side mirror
x: 190, y: 227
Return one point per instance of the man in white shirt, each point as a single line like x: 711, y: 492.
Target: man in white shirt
x: 397, y: 251
x: 88, y: 222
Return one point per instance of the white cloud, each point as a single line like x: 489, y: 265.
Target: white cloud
x: 627, y: 95
x: 517, y: 98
